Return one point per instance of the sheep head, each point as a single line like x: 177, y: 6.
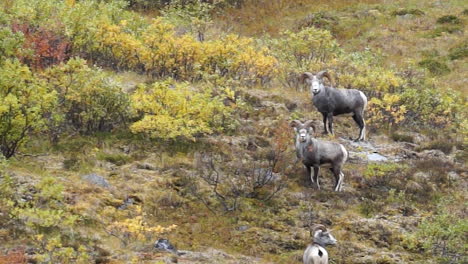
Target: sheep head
x: 315, y: 80
x: 303, y: 131
x: 322, y: 236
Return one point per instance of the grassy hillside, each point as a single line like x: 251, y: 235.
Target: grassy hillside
x: 122, y: 122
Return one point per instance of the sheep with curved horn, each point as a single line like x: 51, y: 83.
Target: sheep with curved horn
x: 316, y: 253
x: 314, y: 153
x: 330, y: 101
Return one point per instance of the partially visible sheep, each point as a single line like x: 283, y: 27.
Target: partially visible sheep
x: 331, y: 102
x: 316, y: 253
x: 313, y: 153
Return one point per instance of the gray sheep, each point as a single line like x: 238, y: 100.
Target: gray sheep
x: 313, y: 153
x: 331, y: 102
x: 316, y: 252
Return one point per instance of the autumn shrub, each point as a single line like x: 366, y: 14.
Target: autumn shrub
x: 171, y: 110
x: 432, y: 108
x: 136, y: 229
x: 306, y: 50
x: 194, y: 16
x: 50, y: 226
x: 47, y: 46
x: 159, y: 52
x: 223, y: 183
x: 24, y: 102
x: 90, y: 100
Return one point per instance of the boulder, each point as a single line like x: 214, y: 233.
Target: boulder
x: 96, y: 179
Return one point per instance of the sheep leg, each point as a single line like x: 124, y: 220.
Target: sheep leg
x: 362, y: 126
x: 316, y: 175
x: 309, y: 174
x: 338, y: 177
x: 325, y: 123
x: 330, y: 123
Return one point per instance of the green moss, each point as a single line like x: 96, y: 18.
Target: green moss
x: 459, y: 52
x: 380, y: 169
x: 449, y: 19
x: 402, y: 12
x: 117, y: 158
x: 402, y: 137
x: 434, y: 66
x: 449, y: 29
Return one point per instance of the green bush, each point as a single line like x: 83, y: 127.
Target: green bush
x: 50, y: 225
x: 10, y: 43
x: 442, y: 235
x: 24, y: 102
x: 90, y: 100
x: 434, y: 66
x: 322, y: 20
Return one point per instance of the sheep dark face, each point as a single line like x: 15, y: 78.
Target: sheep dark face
x: 303, y: 131
x: 315, y: 81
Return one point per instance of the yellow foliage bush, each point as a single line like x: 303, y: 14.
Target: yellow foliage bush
x: 386, y: 111
x: 24, y: 102
x: 159, y: 52
x: 136, y: 229
x: 90, y: 100
x: 172, y: 110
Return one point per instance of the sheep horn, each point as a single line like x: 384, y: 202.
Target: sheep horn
x: 306, y: 75
x: 318, y: 227
x: 309, y: 123
x: 295, y: 123
x: 326, y: 75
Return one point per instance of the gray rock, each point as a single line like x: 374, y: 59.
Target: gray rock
x: 95, y: 179
x: 453, y: 176
x: 164, y: 245
x: 421, y: 176
x: 434, y: 154
x: 374, y: 13
x: 146, y: 166
x: 376, y: 157
x: 242, y: 228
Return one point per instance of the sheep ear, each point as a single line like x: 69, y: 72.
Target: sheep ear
x: 306, y: 76
x: 326, y: 75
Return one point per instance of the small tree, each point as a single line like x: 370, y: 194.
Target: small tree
x: 89, y: 99
x: 23, y: 102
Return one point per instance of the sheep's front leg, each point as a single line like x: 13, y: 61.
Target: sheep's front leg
x: 330, y: 123
x: 339, y: 176
x: 308, y: 173
x: 316, y: 175
x: 359, y: 119
x: 324, y: 115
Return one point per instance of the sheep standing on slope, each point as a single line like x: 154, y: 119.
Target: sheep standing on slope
x: 313, y: 153
x: 332, y: 102
x: 315, y: 252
